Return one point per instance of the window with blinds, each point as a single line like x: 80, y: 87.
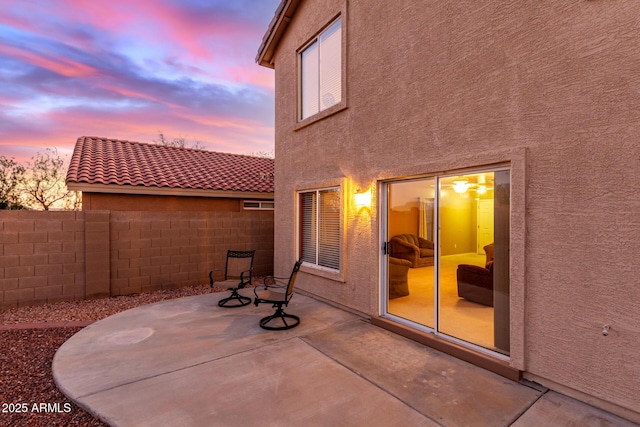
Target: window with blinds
x: 321, y: 71
x: 320, y: 231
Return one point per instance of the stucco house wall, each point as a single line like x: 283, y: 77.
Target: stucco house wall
x: 550, y: 88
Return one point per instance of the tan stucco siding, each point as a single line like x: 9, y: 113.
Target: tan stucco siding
x: 551, y: 88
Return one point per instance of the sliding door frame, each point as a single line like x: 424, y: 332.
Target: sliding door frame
x: 384, y: 207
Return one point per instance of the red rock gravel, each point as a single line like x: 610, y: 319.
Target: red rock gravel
x: 28, y: 395
x: 93, y: 309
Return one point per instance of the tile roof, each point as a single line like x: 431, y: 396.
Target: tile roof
x: 128, y: 163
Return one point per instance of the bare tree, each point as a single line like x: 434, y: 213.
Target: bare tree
x: 180, y: 142
x: 263, y: 154
x: 45, y: 184
x: 11, y: 178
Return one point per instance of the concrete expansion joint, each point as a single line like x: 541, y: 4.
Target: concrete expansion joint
x: 359, y: 374
x: 543, y: 391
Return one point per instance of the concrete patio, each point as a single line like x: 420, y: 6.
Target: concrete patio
x: 187, y: 362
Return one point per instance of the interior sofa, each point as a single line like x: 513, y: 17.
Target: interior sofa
x: 475, y: 283
x: 414, y: 249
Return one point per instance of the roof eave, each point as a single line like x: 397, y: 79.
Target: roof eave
x: 166, y: 191
x: 277, y: 27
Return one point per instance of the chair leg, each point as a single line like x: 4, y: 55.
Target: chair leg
x: 280, y: 314
x: 235, y: 300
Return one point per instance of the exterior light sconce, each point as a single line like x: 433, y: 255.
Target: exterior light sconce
x: 461, y: 187
x: 363, y: 198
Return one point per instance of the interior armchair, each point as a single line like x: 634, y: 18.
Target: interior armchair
x: 475, y: 283
x: 413, y: 248
x: 237, y: 274
x: 398, y: 277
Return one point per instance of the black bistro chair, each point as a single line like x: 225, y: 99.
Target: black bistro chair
x: 237, y: 274
x: 279, y: 294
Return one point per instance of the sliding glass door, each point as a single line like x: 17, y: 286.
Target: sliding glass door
x: 410, y: 249
x: 447, y: 256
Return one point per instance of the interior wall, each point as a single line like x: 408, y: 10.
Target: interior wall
x: 404, y: 220
x: 405, y: 205
x: 457, y: 219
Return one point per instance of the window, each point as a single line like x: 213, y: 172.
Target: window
x: 321, y: 72
x: 258, y: 205
x: 320, y: 231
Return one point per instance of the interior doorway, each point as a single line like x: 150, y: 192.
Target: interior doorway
x: 446, y: 261
x: 484, y: 218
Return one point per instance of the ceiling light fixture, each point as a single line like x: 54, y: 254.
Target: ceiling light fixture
x: 461, y: 187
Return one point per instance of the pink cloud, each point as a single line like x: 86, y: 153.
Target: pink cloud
x: 113, y: 16
x: 62, y: 66
x: 164, y: 23
x: 137, y: 94
x: 256, y: 75
x: 204, y: 41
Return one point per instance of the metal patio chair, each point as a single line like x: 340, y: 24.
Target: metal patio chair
x: 237, y: 274
x: 279, y: 294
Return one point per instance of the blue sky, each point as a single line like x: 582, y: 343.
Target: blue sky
x: 127, y: 69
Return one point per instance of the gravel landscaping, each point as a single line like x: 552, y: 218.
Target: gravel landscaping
x: 28, y: 395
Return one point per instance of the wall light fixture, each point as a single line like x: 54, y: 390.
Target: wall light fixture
x: 363, y: 198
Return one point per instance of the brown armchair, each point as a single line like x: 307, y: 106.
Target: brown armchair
x: 415, y: 249
x: 475, y: 283
x: 488, y: 250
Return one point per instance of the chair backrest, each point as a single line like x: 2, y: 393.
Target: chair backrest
x: 237, y: 262
x: 409, y: 238
x: 488, y: 250
x: 292, y: 278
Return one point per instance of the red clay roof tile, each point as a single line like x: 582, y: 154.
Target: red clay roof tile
x: 110, y: 161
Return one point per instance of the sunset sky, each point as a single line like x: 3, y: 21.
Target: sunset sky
x: 127, y: 69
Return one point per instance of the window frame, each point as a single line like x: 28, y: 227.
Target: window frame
x: 338, y: 106
x: 317, y: 267
x: 261, y: 205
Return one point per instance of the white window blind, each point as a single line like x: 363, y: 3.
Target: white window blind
x: 310, y: 79
x: 320, y: 228
x: 321, y: 71
x: 331, y: 65
x: 329, y: 226
x: 309, y: 229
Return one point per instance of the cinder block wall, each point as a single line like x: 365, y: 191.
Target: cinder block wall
x: 41, y: 257
x: 158, y: 250
x: 61, y: 256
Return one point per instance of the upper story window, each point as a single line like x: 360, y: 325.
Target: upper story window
x: 321, y: 71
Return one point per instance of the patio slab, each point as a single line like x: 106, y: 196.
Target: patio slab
x: 285, y: 383
x: 446, y: 389
x: 169, y: 336
x: 189, y: 362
